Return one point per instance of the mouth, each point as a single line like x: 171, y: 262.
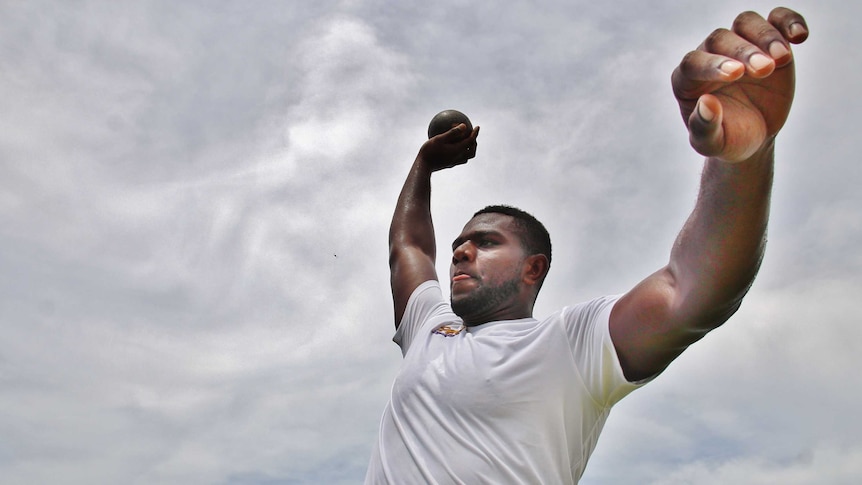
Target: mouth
x: 461, y: 276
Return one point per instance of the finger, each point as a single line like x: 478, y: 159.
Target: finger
x: 471, y: 151
x: 456, y: 134
x: 474, y: 135
x: 765, y: 35
x: 791, y: 25
x: 472, y: 145
x: 699, y: 68
x: 705, y: 126
x: 730, y: 44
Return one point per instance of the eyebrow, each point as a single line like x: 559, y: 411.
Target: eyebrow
x: 473, y: 236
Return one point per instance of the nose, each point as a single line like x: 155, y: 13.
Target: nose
x: 464, y: 252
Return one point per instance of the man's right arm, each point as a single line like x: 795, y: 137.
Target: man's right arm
x: 412, y: 246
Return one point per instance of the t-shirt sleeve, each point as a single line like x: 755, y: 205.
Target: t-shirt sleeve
x: 425, y: 302
x: 587, y: 325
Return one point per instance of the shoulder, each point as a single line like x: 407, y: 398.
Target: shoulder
x: 425, y: 300
x: 425, y: 306
x: 587, y: 326
x: 591, y: 313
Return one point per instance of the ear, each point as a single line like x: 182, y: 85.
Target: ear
x: 535, y: 269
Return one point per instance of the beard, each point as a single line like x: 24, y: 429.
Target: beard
x: 484, y: 300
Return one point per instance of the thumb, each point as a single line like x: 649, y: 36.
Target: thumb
x: 457, y: 133
x: 706, y: 134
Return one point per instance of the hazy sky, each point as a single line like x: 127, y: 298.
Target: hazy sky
x: 194, y: 204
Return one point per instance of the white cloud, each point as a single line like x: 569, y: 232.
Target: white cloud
x: 194, y: 205
x: 819, y: 465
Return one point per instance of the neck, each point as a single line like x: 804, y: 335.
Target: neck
x: 512, y: 313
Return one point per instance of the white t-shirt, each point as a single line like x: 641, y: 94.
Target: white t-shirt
x: 515, y: 401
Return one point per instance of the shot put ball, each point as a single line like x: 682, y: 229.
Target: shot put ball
x: 446, y: 120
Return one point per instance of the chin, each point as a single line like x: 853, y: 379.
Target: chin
x: 469, y: 307
x: 461, y: 306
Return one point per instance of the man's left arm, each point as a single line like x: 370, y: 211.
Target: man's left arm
x: 735, y: 93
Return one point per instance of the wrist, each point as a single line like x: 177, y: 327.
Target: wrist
x: 764, y: 154
x: 423, y: 166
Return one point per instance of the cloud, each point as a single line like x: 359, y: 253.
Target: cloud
x: 194, y: 206
x: 820, y: 466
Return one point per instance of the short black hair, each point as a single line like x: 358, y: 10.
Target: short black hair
x: 534, y: 237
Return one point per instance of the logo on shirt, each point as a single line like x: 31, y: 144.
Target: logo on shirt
x: 449, y: 330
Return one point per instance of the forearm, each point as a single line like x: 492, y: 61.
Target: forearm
x: 734, y: 93
x: 718, y: 252
x: 411, y: 223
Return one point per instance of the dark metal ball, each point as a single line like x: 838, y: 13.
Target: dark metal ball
x: 446, y: 120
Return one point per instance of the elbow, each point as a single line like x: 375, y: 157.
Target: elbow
x: 404, y: 254
x: 714, y: 315
x: 709, y: 300
x: 396, y: 253
x: 407, y: 245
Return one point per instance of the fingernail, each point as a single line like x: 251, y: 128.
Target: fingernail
x: 759, y: 62
x: 777, y: 50
x: 731, y: 67
x: 704, y: 112
x: 797, y: 29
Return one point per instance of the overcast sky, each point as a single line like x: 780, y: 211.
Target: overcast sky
x: 194, y: 204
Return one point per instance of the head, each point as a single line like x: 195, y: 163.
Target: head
x: 499, y: 262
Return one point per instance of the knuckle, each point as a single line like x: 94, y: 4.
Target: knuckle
x: 745, y: 17
x: 784, y: 15
x: 743, y: 51
x: 754, y: 27
x: 715, y: 38
x: 683, y: 79
x: 747, y: 14
x: 688, y: 65
x: 687, y: 59
x: 767, y: 32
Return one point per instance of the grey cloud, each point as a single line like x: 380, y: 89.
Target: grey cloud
x: 194, y: 202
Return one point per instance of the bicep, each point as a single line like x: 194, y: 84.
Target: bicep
x: 409, y: 267
x: 651, y: 325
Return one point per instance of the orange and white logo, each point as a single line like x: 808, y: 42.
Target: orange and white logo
x: 449, y: 330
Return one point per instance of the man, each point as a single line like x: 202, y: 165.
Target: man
x: 486, y: 393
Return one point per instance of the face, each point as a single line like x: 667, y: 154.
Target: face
x: 487, y: 259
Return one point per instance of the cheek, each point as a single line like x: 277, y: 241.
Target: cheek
x: 502, y: 269
x: 496, y: 269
